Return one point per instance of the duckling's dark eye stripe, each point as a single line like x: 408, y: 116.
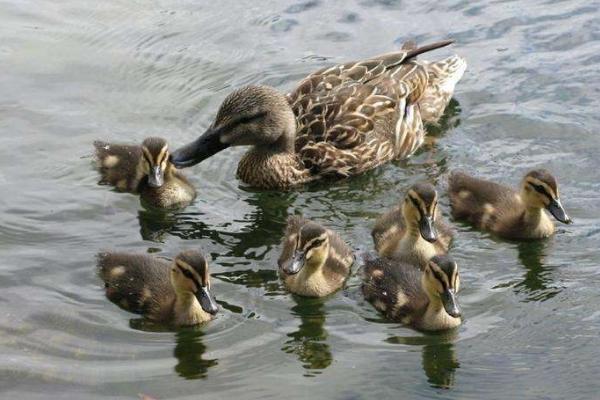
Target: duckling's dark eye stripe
x: 540, y: 189
x: 416, y: 204
x: 439, y: 278
x: 188, y: 275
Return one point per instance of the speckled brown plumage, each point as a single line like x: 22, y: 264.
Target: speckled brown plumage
x: 338, y: 122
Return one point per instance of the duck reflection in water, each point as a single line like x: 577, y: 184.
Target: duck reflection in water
x: 537, y: 282
x: 439, y: 360
x: 258, y: 232
x: 309, y: 342
x: 189, y: 352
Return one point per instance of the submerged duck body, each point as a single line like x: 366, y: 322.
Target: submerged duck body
x: 339, y: 121
x: 314, y: 261
x: 506, y: 212
x: 144, y: 170
x: 414, y: 231
x: 175, y: 292
x: 425, y: 300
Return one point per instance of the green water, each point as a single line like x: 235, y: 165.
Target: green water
x: 75, y: 71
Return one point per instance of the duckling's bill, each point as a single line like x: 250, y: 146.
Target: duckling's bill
x: 297, y: 263
x: 450, y: 303
x: 427, y: 228
x: 556, y: 209
x: 206, y: 300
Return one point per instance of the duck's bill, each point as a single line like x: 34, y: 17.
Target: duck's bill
x: 556, y: 209
x: 451, y: 303
x: 207, y: 302
x: 199, y: 150
x: 427, y: 229
x: 297, y: 263
x: 156, y: 177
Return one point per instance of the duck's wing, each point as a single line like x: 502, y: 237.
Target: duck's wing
x: 443, y: 76
x: 356, y: 126
x: 353, y: 117
x: 329, y: 78
x: 290, y: 238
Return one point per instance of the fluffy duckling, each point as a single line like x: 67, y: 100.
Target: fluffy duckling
x: 315, y: 261
x: 414, y: 230
x: 175, y: 292
x: 425, y: 300
x: 504, y: 211
x: 146, y: 170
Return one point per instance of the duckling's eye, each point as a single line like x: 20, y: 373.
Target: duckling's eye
x: 539, y: 188
x: 318, y: 242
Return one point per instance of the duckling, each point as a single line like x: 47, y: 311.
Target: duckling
x: 146, y: 170
x: 339, y: 121
x: 504, y: 211
x: 425, y: 300
x: 315, y: 261
x: 414, y: 231
x: 174, y: 292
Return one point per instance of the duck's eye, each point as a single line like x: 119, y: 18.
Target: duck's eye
x: 250, y: 118
x: 317, y: 243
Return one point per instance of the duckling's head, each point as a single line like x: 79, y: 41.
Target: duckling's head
x: 441, y: 280
x: 156, y: 157
x: 540, y: 190
x: 251, y: 116
x: 312, y: 249
x: 420, y: 206
x: 189, y: 274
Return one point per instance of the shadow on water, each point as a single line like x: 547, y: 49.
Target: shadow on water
x: 261, y: 278
x: 537, y: 284
x: 309, y: 342
x: 261, y: 229
x: 439, y: 358
x: 189, y: 352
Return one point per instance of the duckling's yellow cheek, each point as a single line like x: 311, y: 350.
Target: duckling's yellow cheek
x: 122, y: 184
x: 110, y: 161
x: 117, y: 272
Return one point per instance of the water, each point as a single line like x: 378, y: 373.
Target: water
x: 72, y: 72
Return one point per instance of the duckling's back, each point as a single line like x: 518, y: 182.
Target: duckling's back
x: 483, y: 203
x: 394, y: 288
x: 119, y: 165
x: 137, y: 283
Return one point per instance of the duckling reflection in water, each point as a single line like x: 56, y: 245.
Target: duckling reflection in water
x: 504, y: 211
x: 175, y: 292
x: 146, y: 170
x: 414, y: 231
x: 425, y: 300
x: 315, y: 261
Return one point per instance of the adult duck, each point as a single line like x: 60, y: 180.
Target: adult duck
x: 338, y: 122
